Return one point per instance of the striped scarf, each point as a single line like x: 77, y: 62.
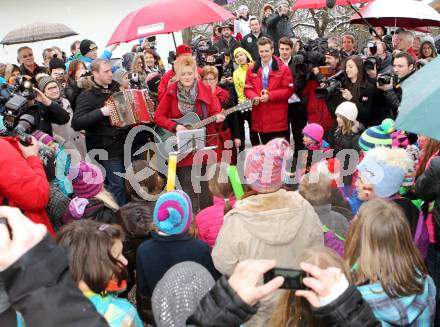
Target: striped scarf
x: 187, y: 99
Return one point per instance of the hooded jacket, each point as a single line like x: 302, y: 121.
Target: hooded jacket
x: 23, y: 183
x: 272, y: 116
x: 413, y: 310
x: 100, y: 134
x: 277, y: 225
x: 239, y: 75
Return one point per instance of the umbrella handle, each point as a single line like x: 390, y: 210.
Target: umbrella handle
x: 370, y: 27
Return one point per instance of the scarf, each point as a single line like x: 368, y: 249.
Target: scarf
x: 187, y: 99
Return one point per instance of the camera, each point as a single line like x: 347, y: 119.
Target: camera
x: 373, y: 48
x: 293, y: 278
x: 171, y: 57
x: 333, y: 86
x: 384, y: 79
x: 204, y: 49
x: 135, y: 82
x: 17, y: 117
x: 370, y: 63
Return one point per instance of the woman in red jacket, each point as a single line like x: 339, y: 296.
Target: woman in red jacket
x: 269, y: 84
x: 23, y: 182
x: 189, y: 94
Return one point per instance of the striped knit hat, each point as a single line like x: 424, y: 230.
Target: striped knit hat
x: 173, y: 213
x: 87, y: 179
x: 263, y: 167
x: 377, y: 136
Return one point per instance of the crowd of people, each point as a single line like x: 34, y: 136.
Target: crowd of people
x: 93, y: 233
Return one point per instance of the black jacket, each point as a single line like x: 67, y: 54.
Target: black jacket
x: 428, y: 189
x: 221, y: 306
x: 88, y: 116
x: 71, y: 92
x: 394, y: 96
x: 249, y: 43
x: 278, y: 27
x: 40, y: 287
x: 228, y: 48
x: 348, y: 310
x: 45, y: 116
x: 37, y: 70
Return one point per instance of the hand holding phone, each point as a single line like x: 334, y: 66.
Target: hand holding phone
x: 293, y: 278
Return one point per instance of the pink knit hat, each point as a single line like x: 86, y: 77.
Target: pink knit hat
x: 87, y: 179
x: 314, y: 131
x: 264, y: 164
x: 42, y: 137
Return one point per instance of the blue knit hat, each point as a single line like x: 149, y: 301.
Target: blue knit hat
x: 173, y: 213
x: 377, y: 136
x: 385, y: 178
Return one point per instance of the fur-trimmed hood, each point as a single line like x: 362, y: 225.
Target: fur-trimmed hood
x: 88, y: 83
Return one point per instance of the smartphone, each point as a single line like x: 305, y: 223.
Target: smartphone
x: 293, y: 278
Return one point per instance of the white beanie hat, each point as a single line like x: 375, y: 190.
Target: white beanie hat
x: 243, y: 7
x: 348, y: 110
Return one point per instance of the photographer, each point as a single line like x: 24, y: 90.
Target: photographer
x: 279, y: 24
x: 227, y: 43
x: 404, y: 67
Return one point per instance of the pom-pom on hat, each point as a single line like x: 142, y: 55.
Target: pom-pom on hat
x: 330, y: 168
x: 314, y: 131
x: 173, y: 213
x: 87, y: 179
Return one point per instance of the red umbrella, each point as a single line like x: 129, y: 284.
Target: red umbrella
x: 318, y: 4
x: 167, y: 16
x: 403, y: 13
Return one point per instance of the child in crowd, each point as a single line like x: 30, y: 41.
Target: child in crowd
x: 294, y: 311
x: 316, y: 189
x: 92, y: 200
x: 209, y: 220
x: 170, y: 244
x: 380, y: 240
x: 96, y: 260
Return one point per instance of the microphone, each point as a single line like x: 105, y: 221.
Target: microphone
x: 330, y: 3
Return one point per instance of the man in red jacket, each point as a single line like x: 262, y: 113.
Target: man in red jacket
x: 269, y: 84
x: 23, y: 182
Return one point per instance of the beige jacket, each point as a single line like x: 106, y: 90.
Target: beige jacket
x: 276, y: 226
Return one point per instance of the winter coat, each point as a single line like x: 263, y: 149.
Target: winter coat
x: 228, y: 47
x: 66, y: 136
x: 135, y: 218
x: 278, y: 27
x: 95, y: 210
x: 45, y: 116
x: 23, y: 183
x: 71, y: 91
x: 118, y: 312
x: 209, y: 221
x: 277, y: 225
x: 36, y: 70
x: 249, y: 43
x: 39, y: 285
x: 88, y: 117
x: 428, y: 189
x: 239, y: 75
x: 394, y: 96
x: 241, y: 25
x: 412, y: 310
x: 221, y: 307
x: 154, y: 258
x: 336, y: 225
x: 231, y: 129
x: 169, y: 109
x: 271, y: 116
x: 317, y: 110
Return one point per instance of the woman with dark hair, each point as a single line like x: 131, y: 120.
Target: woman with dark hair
x: 76, y: 69
x: 427, y: 50
x: 357, y: 88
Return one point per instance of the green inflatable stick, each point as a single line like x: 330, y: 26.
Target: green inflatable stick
x: 235, y: 181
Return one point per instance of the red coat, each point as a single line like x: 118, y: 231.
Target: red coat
x: 23, y: 182
x: 317, y: 111
x: 168, y: 109
x: 271, y: 116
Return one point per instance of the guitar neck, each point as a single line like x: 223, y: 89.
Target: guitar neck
x: 212, y: 119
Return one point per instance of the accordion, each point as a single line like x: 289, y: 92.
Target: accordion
x: 130, y: 107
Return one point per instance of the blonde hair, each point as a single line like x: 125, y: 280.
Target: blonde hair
x: 347, y: 125
x: 182, y: 62
x: 380, y: 244
x: 219, y: 184
x: 107, y: 198
x: 315, y: 188
x: 134, y: 67
x: 292, y: 311
x: 209, y: 70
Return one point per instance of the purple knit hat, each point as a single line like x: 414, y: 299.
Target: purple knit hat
x: 263, y: 167
x: 42, y: 137
x: 87, y: 179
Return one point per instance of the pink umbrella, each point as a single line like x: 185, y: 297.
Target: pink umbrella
x: 167, y: 16
x: 317, y: 4
x: 403, y: 13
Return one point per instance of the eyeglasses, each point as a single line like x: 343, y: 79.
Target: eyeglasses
x: 210, y: 79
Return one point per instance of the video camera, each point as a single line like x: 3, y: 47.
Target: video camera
x: 385, y: 79
x: 18, y: 120
x: 204, y: 49
x: 333, y: 86
x: 312, y: 56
